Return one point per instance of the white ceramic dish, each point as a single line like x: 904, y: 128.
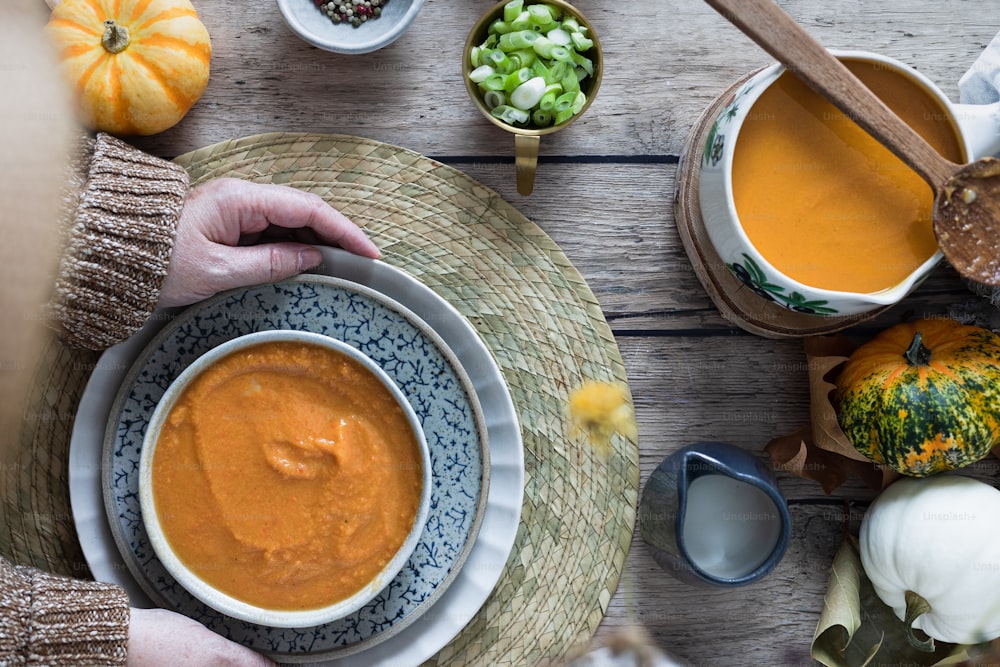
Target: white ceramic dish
x: 190, y: 579
x: 977, y: 130
x: 314, y: 27
x: 416, y: 358
x: 473, y: 580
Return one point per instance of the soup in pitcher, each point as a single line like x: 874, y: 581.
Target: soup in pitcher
x: 825, y: 203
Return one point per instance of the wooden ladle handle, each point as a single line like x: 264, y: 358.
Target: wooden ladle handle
x: 778, y: 34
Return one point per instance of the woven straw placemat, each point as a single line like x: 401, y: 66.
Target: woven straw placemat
x: 546, y: 331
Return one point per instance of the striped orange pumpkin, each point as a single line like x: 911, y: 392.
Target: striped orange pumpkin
x: 137, y: 66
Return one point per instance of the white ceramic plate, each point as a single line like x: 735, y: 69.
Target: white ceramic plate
x: 427, y: 633
x: 414, y: 357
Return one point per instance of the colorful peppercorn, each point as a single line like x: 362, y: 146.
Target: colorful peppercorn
x: 354, y: 12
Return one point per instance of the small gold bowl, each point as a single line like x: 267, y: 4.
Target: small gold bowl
x: 528, y: 138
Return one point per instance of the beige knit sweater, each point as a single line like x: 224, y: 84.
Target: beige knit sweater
x: 122, y: 209
x: 125, y: 205
x: 50, y: 620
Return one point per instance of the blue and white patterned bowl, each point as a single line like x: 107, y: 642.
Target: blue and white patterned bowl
x: 205, y: 591
x: 417, y: 359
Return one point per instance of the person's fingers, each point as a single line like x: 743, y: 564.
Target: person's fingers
x: 159, y: 637
x: 235, y: 233
x: 262, y: 205
x: 266, y: 263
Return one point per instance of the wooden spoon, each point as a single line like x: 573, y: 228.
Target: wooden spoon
x: 966, y: 198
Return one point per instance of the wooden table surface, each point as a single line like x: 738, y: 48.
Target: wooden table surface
x: 604, y: 192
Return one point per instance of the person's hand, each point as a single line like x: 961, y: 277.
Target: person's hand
x: 233, y: 233
x: 159, y: 637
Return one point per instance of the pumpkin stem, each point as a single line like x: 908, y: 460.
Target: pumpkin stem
x: 917, y: 354
x: 116, y: 37
x: 916, y: 606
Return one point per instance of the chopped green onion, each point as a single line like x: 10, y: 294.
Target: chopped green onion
x: 541, y: 118
x: 509, y: 114
x: 493, y: 82
x: 512, y: 10
x: 543, y: 14
x: 543, y: 46
x: 548, y: 100
x: 522, y: 22
x: 513, y: 41
x: 582, y: 61
x: 558, y: 36
x: 563, y: 116
x: 524, y: 57
x: 500, y: 62
x: 515, y: 79
x: 561, y: 53
x: 531, y: 68
x: 499, y: 28
x: 565, y: 101
x: 581, y: 43
x: 494, y: 98
x: 479, y: 74
x: 526, y: 95
x: 570, y: 83
x: 557, y: 72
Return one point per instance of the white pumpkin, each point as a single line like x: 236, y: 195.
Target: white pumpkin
x: 937, y: 540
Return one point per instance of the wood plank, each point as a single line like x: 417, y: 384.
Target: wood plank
x: 744, y: 390
x: 604, y: 193
x: 411, y: 94
x: 628, y: 249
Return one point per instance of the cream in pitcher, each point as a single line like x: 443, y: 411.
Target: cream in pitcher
x: 711, y: 513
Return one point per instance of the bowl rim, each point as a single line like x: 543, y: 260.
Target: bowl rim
x: 223, y: 602
x: 374, y: 44
x: 482, y: 24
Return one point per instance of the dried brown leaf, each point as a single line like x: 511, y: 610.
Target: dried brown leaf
x: 796, y: 455
x: 856, y: 628
x: 820, y: 451
x: 825, y: 356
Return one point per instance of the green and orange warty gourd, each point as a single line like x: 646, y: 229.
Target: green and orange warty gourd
x: 136, y: 66
x: 923, y: 397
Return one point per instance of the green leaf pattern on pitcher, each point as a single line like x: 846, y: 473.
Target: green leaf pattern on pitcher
x: 716, y: 140
x: 750, y: 274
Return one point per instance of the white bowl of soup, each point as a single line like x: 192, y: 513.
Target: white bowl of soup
x: 284, y: 479
x: 807, y: 210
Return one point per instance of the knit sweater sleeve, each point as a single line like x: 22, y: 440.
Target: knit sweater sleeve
x: 122, y: 211
x: 50, y: 620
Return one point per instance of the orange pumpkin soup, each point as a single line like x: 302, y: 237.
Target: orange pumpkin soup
x: 825, y: 203
x: 287, y: 476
